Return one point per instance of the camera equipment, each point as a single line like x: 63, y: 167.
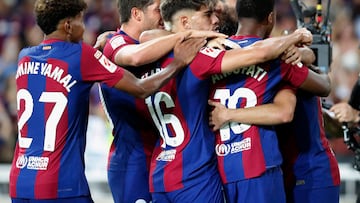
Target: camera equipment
x: 312, y: 19
x: 351, y: 143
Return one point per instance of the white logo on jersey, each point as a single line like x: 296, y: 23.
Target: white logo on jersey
x: 38, y: 163
x: 110, y: 66
x: 166, y: 155
x: 208, y: 51
x: 222, y: 149
x: 117, y: 41
x: 243, y: 145
x: 233, y: 148
x: 21, y: 161
x: 32, y: 162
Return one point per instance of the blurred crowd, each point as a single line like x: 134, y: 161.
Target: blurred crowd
x: 18, y: 29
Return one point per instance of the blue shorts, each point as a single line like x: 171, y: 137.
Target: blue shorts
x: 316, y: 195
x: 60, y: 200
x: 209, y: 191
x: 268, y: 188
x: 129, y: 186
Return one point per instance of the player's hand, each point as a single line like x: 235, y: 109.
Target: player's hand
x: 345, y: 113
x: 101, y: 39
x: 221, y: 43
x: 292, y: 55
x: 217, y: 117
x: 306, y: 36
x: 186, y: 50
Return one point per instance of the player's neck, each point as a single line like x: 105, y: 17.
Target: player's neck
x: 57, y: 35
x: 251, y: 27
x: 131, y: 30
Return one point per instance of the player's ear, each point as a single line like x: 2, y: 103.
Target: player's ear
x: 271, y: 18
x: 185, y: 22
x: 136, y: 13
x: 67, y: 26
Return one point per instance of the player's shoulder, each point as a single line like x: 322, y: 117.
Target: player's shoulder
x: 120, y: 39
x: 209, y: 52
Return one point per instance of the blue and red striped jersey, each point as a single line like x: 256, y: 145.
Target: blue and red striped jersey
x: 134, y: 132
x: 184, y: 156
x: 53, y: 88
x: 246, y: 151
x: 309, y: 161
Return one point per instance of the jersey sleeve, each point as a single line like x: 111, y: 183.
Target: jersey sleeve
x: 96, y: 67
x: 114, y: 44
x: 294, y: 74
x: 207, y: 62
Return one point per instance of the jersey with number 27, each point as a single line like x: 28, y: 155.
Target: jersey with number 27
x: 53, y: 88
x: 246, y: 151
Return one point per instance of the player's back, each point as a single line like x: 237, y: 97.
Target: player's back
x: 134, y: 133
x: 53, y: 84
x: 184, y: 156
x: 246, y: 151
x: 307, y: 153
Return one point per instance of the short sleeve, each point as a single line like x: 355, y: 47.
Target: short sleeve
x: 294, y: 74
x: 96, y: 67
x: 207, y: 62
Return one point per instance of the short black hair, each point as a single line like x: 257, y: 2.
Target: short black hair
x: 50, y: 12
x: 125, y: 6
x: 256, y: 9
x: 169, y: 7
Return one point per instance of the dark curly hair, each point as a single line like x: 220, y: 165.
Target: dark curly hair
x: 256, y: 9
x: 50, y: 12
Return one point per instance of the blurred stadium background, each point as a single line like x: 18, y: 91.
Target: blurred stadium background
x: 18, y: 29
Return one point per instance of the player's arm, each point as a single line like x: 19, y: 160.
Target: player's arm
x: 263, y: 50
x: 152, y: 50
x: 147, y: 52
x: 317, y: 83
x: 278, y: 112
x: 144, y: 87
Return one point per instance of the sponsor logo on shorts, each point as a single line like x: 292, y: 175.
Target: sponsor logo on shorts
x: 233, y: 148
x: 32, y: 162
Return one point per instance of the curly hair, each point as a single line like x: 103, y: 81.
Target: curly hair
x: 50, y: 12
x: 169, y: 8
x: 256, y: 9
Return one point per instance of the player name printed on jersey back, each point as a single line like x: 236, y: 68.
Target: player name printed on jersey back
x: 49, y: 70
x: 253, y: 71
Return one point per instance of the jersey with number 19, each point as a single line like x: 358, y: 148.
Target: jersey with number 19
x: 53, y: 87
x: 184, y: 156
x: 246, y: 151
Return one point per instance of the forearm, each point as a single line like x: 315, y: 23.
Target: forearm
x: 259, y: 52
x: 142, y: 88
x: 318, y: 84
x: 267, y: 114
x: 274, y: 47
x: 147, y: 52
